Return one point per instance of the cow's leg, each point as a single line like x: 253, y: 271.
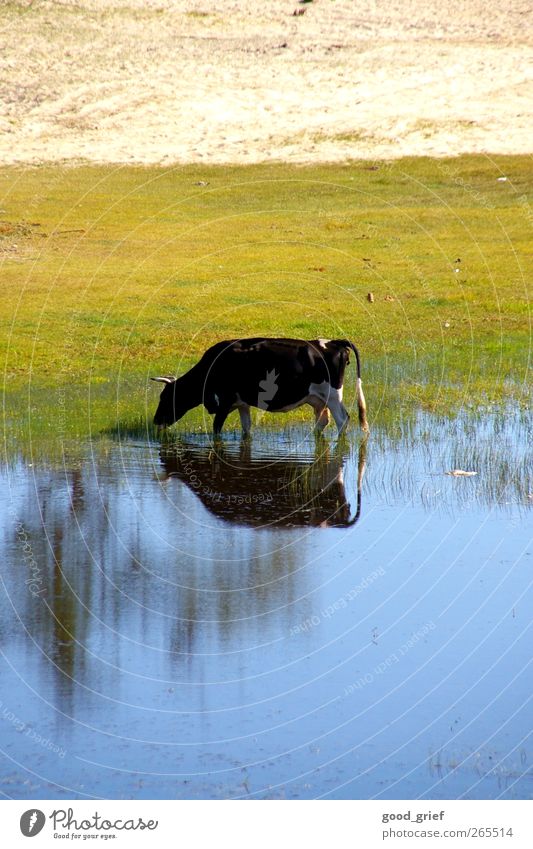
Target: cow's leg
x: 338, y: 411
x: 331, y: 398
x: 246, y: 419
x: 321, y: 415
x: 219, y: 420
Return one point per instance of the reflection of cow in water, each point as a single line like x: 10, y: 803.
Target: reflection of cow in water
x: 264, y: 491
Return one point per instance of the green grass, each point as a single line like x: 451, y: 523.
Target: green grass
x: 110, y: 274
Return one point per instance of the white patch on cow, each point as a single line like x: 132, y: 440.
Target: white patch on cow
x: 332, y: 399
x: 323, y: 395
x: 323, y: 342
x: 325, y: 392
x: 217, y: 399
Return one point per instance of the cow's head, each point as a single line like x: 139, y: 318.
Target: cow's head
x: 172, y: 404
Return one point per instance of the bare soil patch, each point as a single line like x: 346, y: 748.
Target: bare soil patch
x: 160, y: 81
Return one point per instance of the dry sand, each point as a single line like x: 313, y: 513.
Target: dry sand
x: 216, y: 81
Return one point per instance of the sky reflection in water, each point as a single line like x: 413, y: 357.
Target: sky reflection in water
x: 283, y: 619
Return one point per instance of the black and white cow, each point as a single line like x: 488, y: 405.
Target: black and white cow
x: 276, y: 375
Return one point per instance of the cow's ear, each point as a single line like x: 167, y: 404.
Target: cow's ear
x: 163, y: 379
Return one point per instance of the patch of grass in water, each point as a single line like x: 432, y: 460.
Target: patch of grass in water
x: 135, y: 271
x: 415, y: 456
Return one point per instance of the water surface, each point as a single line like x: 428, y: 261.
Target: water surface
x: 279, y: 619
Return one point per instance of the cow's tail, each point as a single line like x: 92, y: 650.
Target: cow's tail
x: 361, y: 403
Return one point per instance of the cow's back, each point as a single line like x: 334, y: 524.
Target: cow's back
x: 267, y: 372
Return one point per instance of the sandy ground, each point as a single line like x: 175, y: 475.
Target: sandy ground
x: 217, y: 81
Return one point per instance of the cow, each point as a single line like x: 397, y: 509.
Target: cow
x: 276, y: 375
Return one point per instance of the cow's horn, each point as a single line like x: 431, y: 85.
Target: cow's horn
x: 163, y: 379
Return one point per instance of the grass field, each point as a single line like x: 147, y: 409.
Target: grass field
x: 110, y: 275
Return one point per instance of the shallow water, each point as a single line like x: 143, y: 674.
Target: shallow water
x: 280, y: 619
